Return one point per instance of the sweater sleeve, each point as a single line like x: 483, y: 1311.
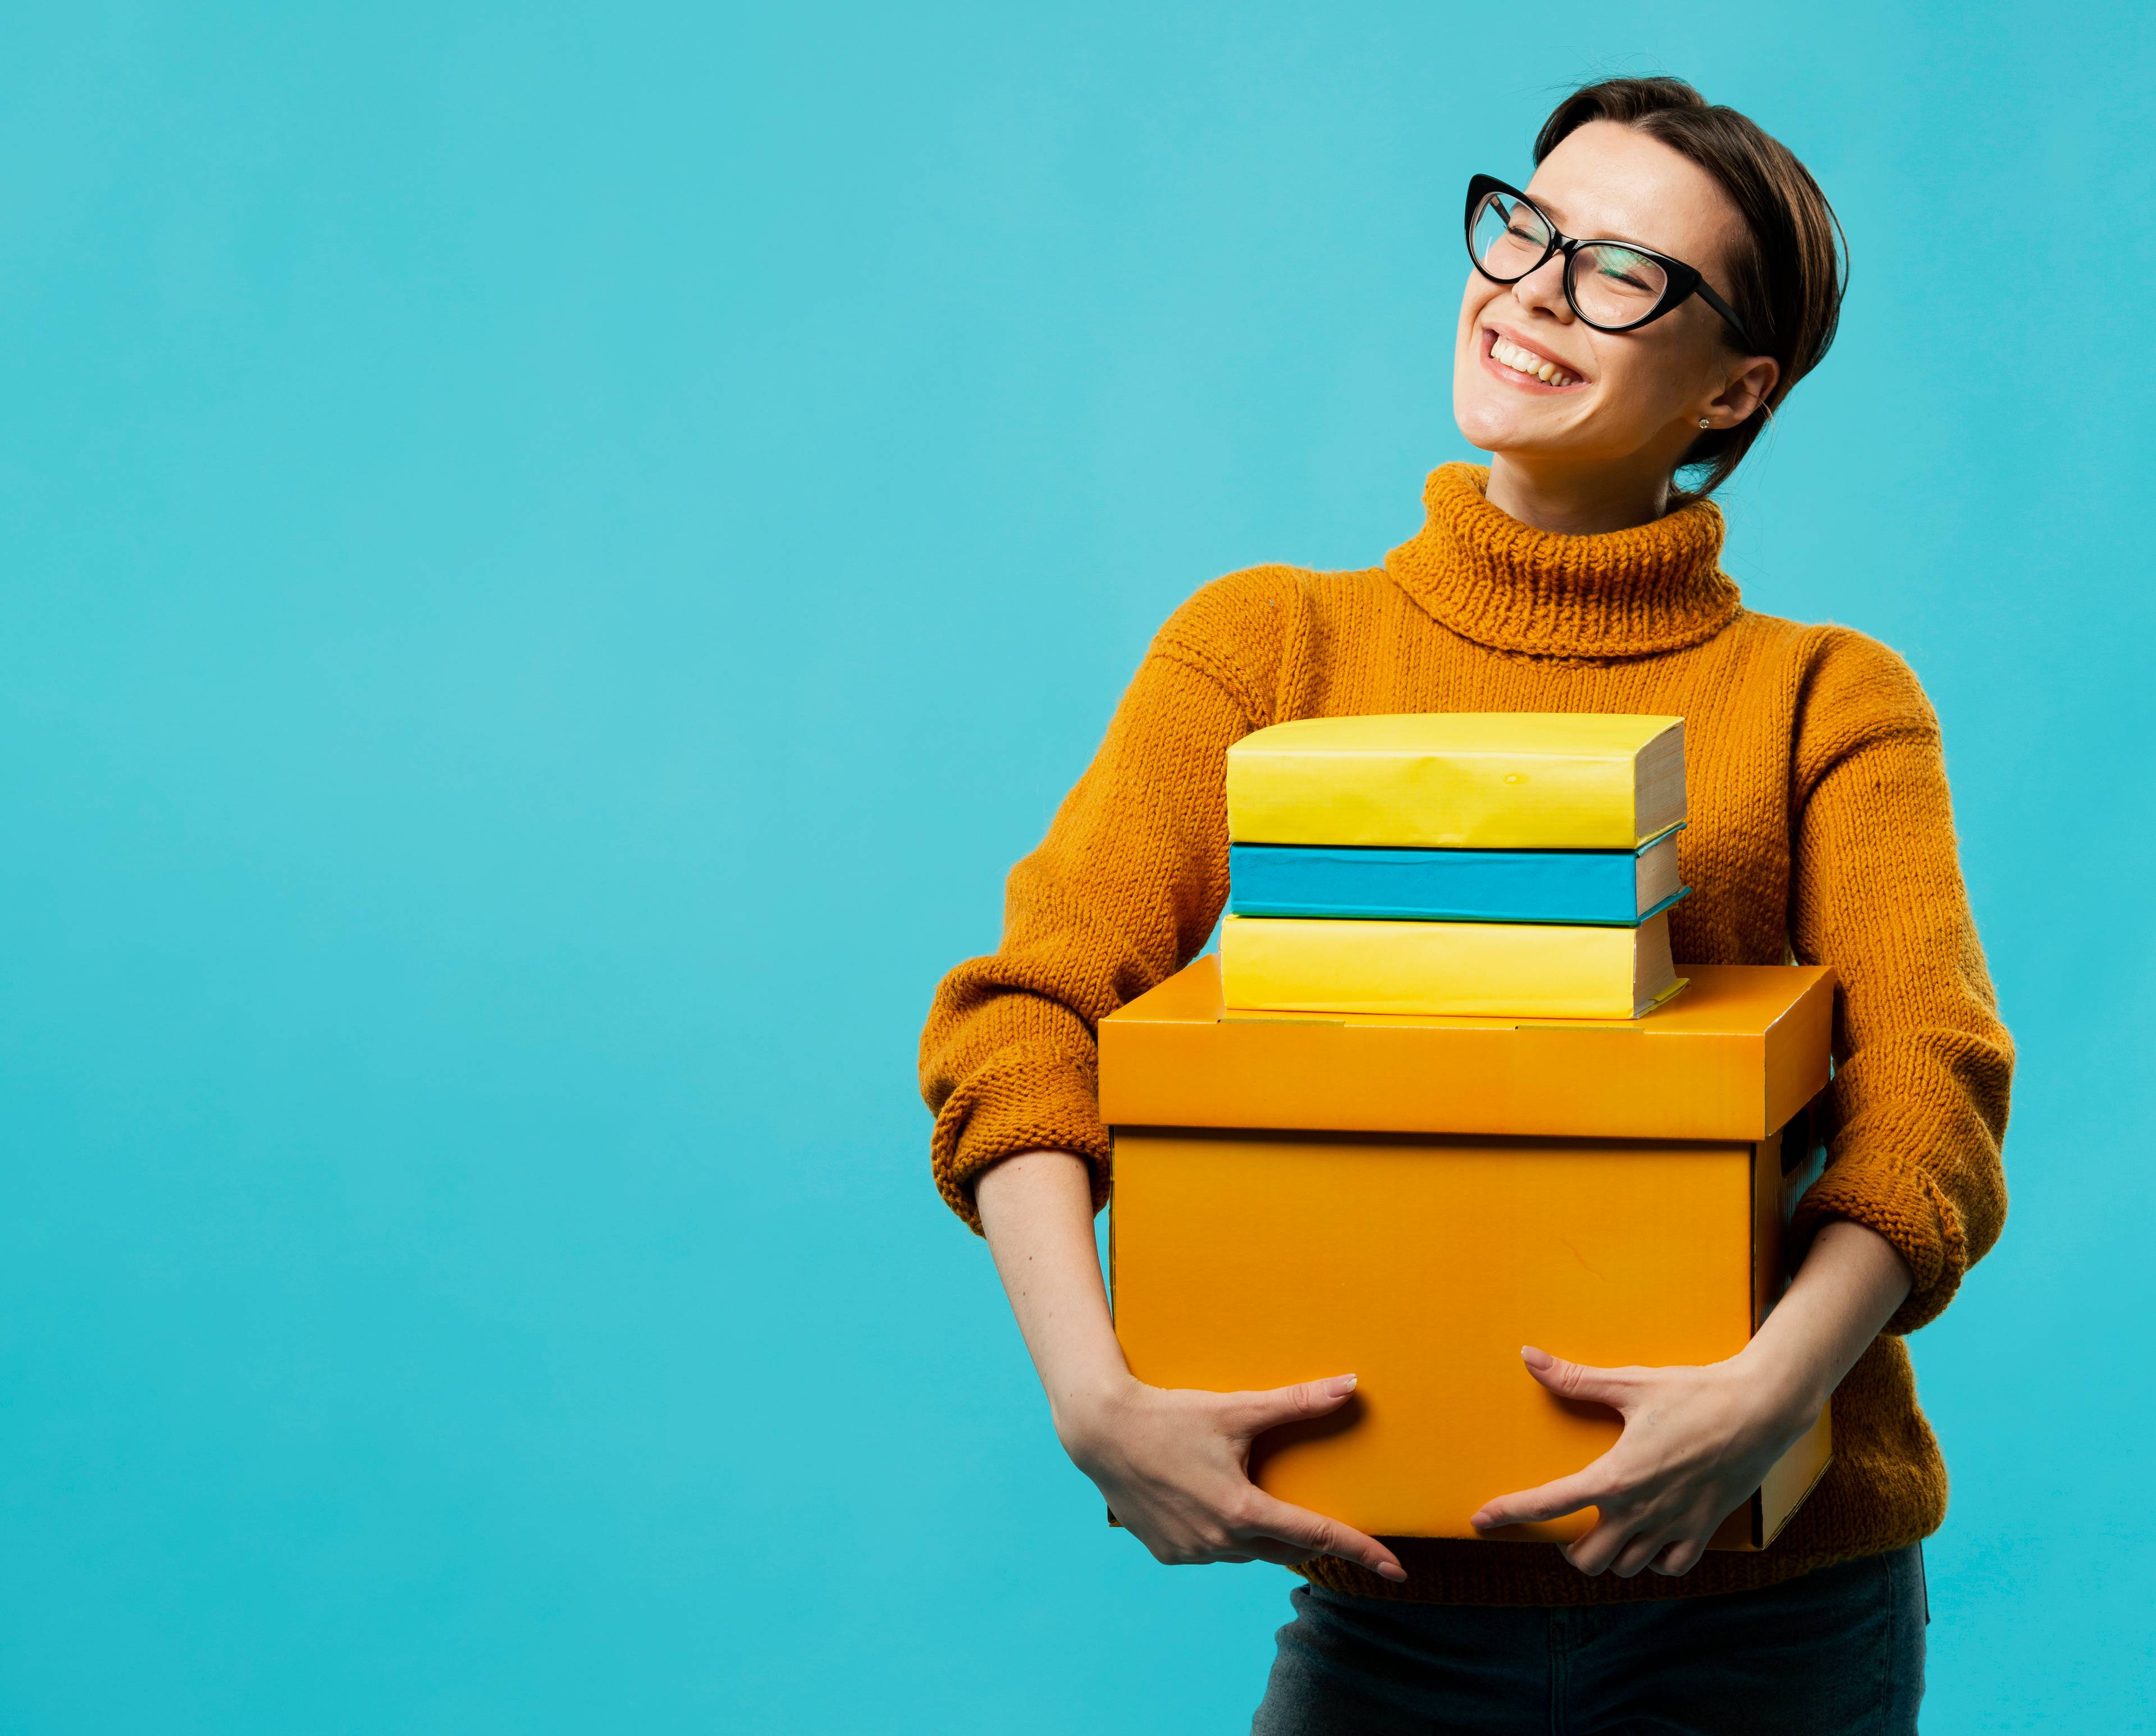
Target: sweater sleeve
x: 1922, y: 1065
x: 1121, y: 893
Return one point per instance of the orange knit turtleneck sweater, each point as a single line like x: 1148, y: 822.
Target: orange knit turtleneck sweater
x: 1820, y: 830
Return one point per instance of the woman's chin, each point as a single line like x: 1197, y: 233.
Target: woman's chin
x: 1507, y: 440
x: 1496, y: 428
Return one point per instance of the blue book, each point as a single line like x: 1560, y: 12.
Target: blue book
x: 1615, y: 888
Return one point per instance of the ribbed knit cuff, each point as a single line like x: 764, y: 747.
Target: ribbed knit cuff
x: 1877, y: 1179
x: 1027, y: 1097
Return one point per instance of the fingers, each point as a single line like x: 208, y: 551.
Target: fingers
x: 1256, y: 1412
x: 1611, y: 1549
x: 1680, y: 1557
x: 1589, y: 1487
x: 1546, y: 1501
x: 1624, y: 1547
x: 1599, y: 1549
x: 1314, y: 1534
x: 1641, y: 1548
x: 1578, y: 1380
x: 1281, y: 1554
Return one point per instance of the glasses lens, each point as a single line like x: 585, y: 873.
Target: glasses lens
x: 1507, y: 238
x: 1614, y: 286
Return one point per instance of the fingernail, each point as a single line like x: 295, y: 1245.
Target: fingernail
x: 1341, y: 1385
x: 1398, y: 1575
x: 1535, y: 1359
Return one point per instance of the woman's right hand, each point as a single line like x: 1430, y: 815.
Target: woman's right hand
x: 1175, y: 1466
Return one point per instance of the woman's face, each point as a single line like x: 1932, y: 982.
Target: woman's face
x: 1634, y: 399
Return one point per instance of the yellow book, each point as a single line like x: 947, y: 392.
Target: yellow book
x: 1463, y: 780
x: 1494, y: 970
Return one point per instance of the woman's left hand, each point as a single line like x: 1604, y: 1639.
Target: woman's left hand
x: 1698, y: 1441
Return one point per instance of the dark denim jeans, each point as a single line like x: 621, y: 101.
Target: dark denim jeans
x: 1838, y: 1652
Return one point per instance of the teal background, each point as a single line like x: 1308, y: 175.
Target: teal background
x: 554, y: 555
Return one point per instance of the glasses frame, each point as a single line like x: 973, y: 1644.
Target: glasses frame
x: 1684, y: 280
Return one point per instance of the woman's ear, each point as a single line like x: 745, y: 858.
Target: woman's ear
x: 1744, y: 391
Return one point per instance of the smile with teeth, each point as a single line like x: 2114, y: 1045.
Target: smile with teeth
x: 1526, y: 361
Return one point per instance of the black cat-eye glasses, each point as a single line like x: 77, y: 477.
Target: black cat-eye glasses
x: 1613, y: 286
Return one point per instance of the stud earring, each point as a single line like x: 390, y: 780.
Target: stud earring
x: 1702, y: 422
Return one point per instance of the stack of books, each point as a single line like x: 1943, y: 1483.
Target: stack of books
x: 1496, y: 864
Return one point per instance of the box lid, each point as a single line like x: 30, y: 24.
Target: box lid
x: 1734, y: 1057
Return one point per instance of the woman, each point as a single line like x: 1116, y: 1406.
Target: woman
x: 1666, y: 277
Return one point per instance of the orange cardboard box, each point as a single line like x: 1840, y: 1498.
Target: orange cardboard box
x: 1412, y: 1200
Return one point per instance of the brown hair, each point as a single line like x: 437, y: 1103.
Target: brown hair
x: 1785, y: 282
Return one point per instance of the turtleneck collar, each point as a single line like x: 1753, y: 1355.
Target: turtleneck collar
x: 1625, y: 594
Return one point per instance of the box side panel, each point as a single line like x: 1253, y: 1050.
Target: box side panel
x: 1738, y: 1531
x: 1796, y: 1475
x: 1422, y: 1265
x: 1775, y: 1160
x: 1804, y: 1154
x: 1768, y: 1277
x: 1556, y: 1079
x: 1798, y: 1051
x: 1170, y: 1058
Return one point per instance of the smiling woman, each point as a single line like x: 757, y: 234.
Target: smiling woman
x: 1707, y: 285
x: 1632, y: 315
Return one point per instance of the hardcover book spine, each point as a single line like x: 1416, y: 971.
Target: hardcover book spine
x: 1480, y: 801
x: 1443, y: 969
x: 1465, y: 886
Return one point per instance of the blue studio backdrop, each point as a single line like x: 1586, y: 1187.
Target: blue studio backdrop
x: 554, y: 555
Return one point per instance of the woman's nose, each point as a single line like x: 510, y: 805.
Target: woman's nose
x: 1543, y: 288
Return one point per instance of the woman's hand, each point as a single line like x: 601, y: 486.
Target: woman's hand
x: 1696, y: 1442
x: 1175, y: 1466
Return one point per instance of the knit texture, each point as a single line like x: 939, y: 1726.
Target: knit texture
x: 1820, y: 830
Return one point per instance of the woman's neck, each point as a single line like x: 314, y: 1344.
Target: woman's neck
x: 1574, y: 504
x: 1513, y: 587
